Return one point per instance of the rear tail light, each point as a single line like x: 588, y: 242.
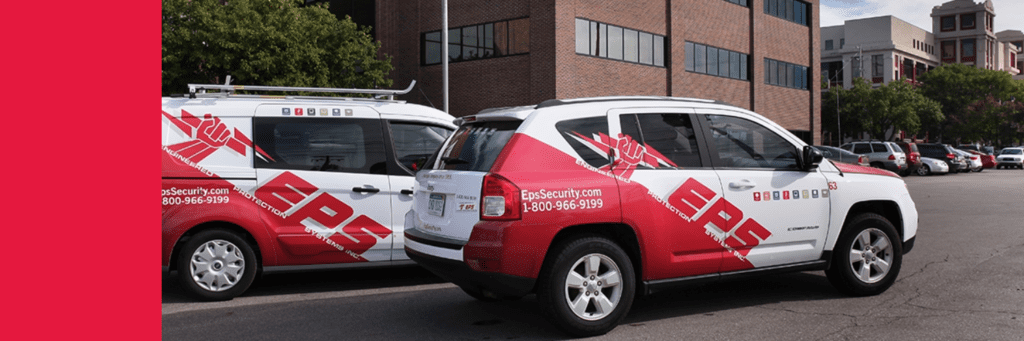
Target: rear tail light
x: 892, y: 156
x: 974, y: 157
x: 950, y: 156
x: 499, y: 199
x: 862, y: 160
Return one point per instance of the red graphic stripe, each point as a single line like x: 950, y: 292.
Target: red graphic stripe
x: 184, y: 127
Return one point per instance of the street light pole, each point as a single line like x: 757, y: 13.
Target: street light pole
x: 444, y: 51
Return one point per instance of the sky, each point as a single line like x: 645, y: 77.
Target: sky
x: 1009, y: 13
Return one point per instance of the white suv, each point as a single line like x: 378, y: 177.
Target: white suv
x: 588, y: 202
x: 1010, y: 158
x: 287, y: 182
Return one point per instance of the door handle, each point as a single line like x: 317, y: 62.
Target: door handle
x: 742, y: 184
x: 365, y: 189
x: 406, y: 191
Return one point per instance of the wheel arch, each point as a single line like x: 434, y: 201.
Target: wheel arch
x: 225, y: 225
x: 621, y: 234
x: 885, y: 208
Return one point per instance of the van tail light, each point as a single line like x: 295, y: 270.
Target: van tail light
x: 499, y: 199
x: 862, y: 160
x: 892, y: 156
x: 950, y: 156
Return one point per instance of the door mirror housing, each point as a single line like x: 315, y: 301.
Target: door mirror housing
x: 810, y: 158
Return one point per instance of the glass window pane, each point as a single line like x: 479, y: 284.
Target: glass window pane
x: 734, y: 64
x: 500, y: 38
x: 590, y: 126
x: 790, y: 75
x: 432, y: 53
x: 478, y: 145
x: 593, y: 38
x: 723, y: 63
x: 433, y: 36
x: 646, y: 48
x: 349, y: 145
x: 615, y: 42
x: 603, y: 40
x: 743, y: 143
x: 659, y: 50
x: 789, y: 10
x: 767, y: 72
x: 630, y: 45
x: 415, y: 141
x: 672, y: 136
x: 519, y: 36
x: 582, y: 36
x: 773, y: 70
x: 743, y: 66
x: 689, y: 56
x: 712, y: 61
x: 700, y: 58
x: 488, y: 37
x: 455, y: 36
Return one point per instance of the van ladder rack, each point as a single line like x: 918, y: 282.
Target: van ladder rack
x: 201, y: 88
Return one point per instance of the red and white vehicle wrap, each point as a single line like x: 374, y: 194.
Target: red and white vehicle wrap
x: 708, y: 217
x: 216, y: 174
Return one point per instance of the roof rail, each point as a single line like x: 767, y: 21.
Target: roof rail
x: 193, y: 89
x: 557, y: 102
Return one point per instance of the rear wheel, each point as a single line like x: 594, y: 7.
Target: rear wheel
x: 216, y: 265
x: 867, y: 258
x: 924, y: 170
x: 588, y: 287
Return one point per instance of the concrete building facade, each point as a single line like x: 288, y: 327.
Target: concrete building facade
x: 755, y: 54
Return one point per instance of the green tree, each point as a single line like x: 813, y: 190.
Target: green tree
x: 957, y: 88
x: 266, y: 42
x: 878, y: 112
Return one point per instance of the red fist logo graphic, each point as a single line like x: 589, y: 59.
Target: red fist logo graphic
x: 213, y: 132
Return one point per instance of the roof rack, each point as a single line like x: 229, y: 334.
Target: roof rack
x: 200, y: 89
x: 557, y: 102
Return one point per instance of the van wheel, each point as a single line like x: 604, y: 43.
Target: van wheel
x: 867, y: 257
x: 216, y: 265
x: 588, y: 287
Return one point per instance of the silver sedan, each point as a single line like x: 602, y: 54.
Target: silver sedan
x: 932, y: 166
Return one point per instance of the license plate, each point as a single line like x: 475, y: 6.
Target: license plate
x: 435, y: 206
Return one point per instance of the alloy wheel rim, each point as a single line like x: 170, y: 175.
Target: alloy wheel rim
x: 871, y: 255
x: 217, y: 265
x: 593, y: 287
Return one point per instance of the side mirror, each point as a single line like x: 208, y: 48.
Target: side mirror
x: 810, y: 158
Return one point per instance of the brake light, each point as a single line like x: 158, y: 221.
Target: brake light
x: 950, y: 156
x: 892, y: 156
x: 862, y: 160
x: 499, y: 199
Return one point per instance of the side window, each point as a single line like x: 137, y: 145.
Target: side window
x: 413, y: 141
x: 825, y: 153
x: 879, y: 148
x: 670, y: 137
x: 320, y: 144
x: 742, y: 143
x: 576, y: 132
x: 862, y: 148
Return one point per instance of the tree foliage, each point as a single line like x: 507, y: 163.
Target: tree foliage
x: 266, y: 42
x: 970, y: 98
x: 878, y: 112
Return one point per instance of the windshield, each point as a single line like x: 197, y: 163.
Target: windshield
x: 1012, y: 151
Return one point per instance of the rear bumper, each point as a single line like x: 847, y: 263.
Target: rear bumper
x: 462, y: 275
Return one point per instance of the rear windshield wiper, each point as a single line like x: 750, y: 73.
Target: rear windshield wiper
x: 454, y: 161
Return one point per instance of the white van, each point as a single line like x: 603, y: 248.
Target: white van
x: 253, y: 182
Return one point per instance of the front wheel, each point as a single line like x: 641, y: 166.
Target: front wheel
x: 867, y: 257
x: 588, y: 287
x: 216, y: 265
x: 923, y: 170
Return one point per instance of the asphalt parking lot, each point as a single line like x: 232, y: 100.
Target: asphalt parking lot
x: 964, y: 280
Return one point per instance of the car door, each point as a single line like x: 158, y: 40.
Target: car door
x: 410, y: 141
x: 661, y: 158
x: 324, y: 183
x: 774, y: 213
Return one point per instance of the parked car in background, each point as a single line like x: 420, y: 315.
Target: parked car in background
x: 886, y: 155
x: 842, y: 155
x: 932, y: 166
x: 987, y: 160
x: 1010, y: 158
x: 965, y: 165
x: 943, y: 153
x: 913, y: 156
x: 973, y: 161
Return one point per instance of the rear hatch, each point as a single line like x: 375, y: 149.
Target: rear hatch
x: 447, y: 199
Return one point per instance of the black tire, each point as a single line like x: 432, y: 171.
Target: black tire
x: 978, y: 170
x: 235, y: 254
x: 841, y: 273
x: 554, y: 291
x: 924, y: 170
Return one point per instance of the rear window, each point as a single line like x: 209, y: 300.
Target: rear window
x: 475, y: 146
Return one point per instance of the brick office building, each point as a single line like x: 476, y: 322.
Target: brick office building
x: 760, y: 55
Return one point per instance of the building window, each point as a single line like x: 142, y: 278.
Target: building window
x: 842, y: 42
x: 908, y: 69
x: 792, y: 10
x: 967, y: 50
x: 714, y: 61
x: 828, y: 44
x: 877, y: 67
x: 785, y: 74
x: 739, y: 2
x: 601, y: 40
x: 1019, y: 44
x: 483, y: 41
x: 948, y: 23
x: 948, y: 48
x: 967, y: 21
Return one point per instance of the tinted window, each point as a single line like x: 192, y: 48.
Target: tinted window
x: 475, y: 146
x: 879, y: 148
x: 742, y: 143
x: 318, y: 144
x: 414, y: 141
x: 671, y: 137
x: 577, y: 131
x: 862, y: 148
